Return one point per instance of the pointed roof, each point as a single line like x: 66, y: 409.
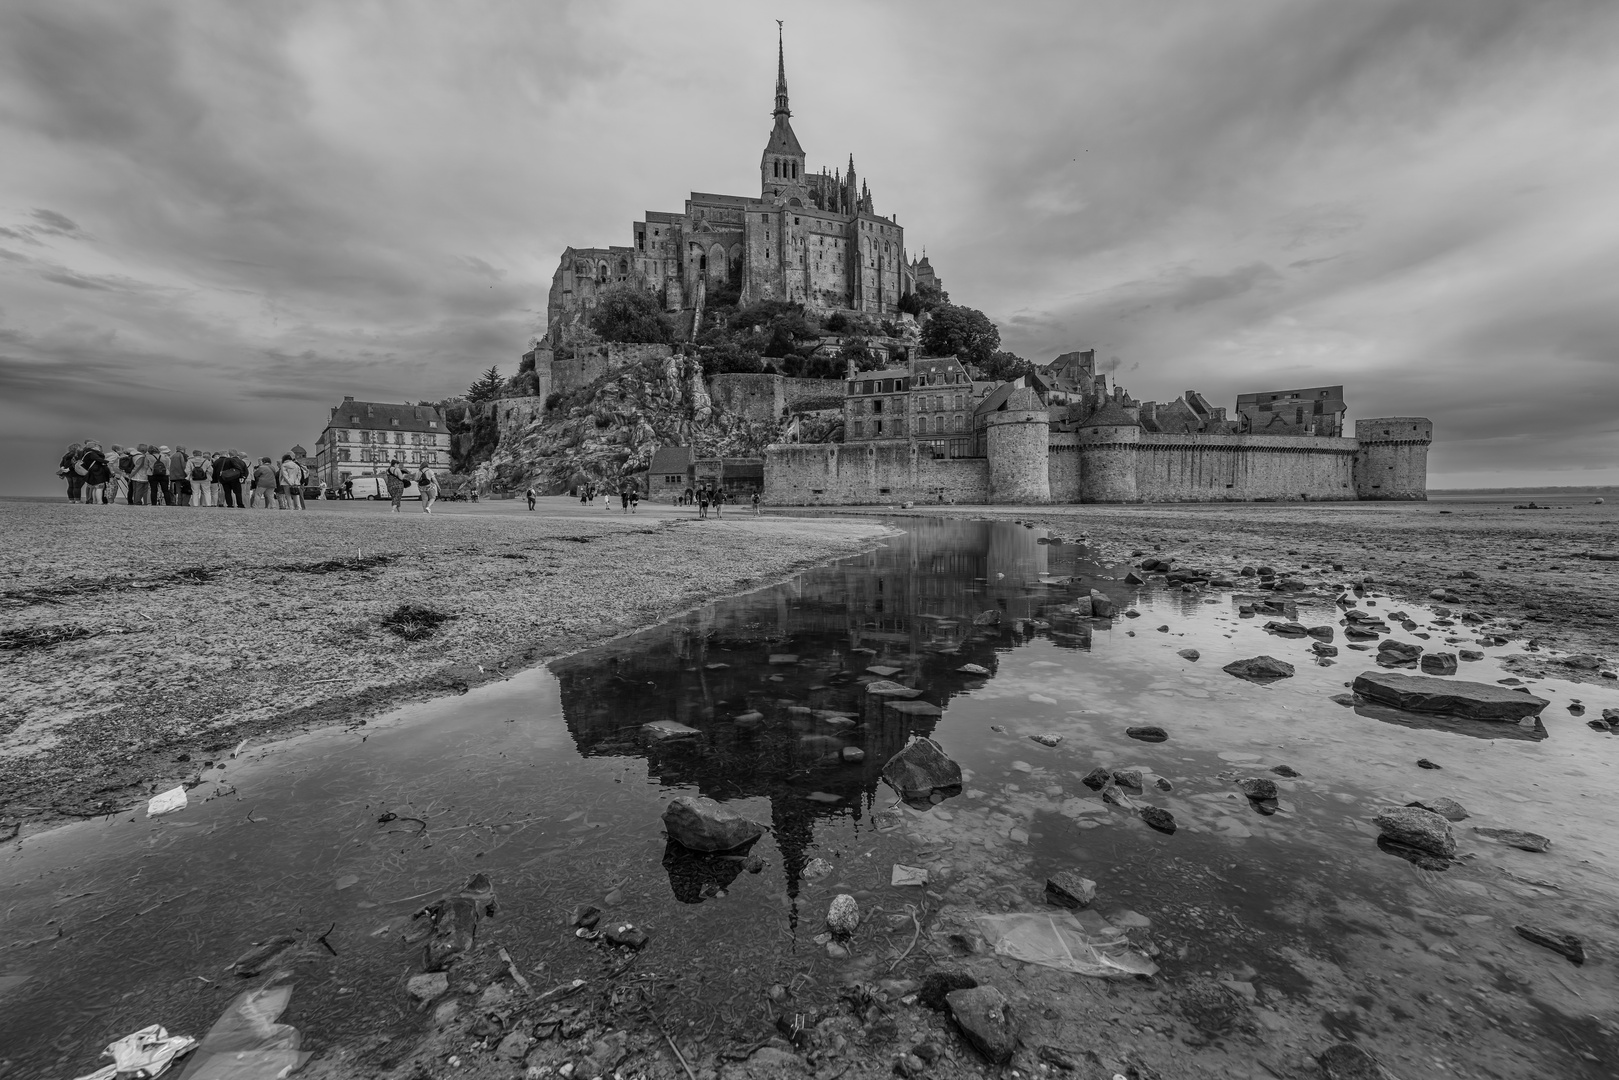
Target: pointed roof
x: 782, y: 140
x: 1111, y: 414
x: 781, y: 75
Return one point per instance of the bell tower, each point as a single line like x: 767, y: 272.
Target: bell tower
x: 781, y: 168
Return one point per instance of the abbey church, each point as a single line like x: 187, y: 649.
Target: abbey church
x: 809, y: 238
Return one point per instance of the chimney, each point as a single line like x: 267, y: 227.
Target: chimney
x: 348, y: 397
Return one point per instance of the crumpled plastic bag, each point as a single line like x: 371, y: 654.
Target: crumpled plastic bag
x: 1059, y: 940
x: 246, y: 1043
x: 144, y: 1053
x: 168, y: 802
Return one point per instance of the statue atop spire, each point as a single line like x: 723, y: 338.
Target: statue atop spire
x: 781, y: 75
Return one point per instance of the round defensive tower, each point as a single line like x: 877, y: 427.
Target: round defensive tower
x: 1109, y: 442
x: 1392, y: 459
x: 1019, y: 437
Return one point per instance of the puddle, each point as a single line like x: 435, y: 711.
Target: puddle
x: 551, y: 784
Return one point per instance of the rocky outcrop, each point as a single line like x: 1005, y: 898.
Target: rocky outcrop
x: 700, y: 824
x: 1428, y: 694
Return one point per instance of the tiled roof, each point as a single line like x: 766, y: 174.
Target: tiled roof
x: 670, y: 459
x: 376, y: 415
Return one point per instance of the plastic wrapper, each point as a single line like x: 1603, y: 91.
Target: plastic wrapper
x: 1062, y: 941
x: 246, y: 1043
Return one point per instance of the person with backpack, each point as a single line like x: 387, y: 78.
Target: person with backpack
x: 179, y: 482
x: 140, y: 475
x: 289, y: 484
x: 157, y: 477
x: 65, y: 470
x: 96, y: 473
x: 395, y: 479
x: 200, y: 472
x: 231, y: 470
x: 264, y: 482
x: 530, y: 495
x: 427, y: 484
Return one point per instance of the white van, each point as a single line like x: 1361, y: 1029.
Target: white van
x: 376, y: 487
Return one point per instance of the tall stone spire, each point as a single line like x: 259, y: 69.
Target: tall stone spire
x: 781, y: 75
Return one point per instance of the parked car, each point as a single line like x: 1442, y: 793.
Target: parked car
x: 376, y: 487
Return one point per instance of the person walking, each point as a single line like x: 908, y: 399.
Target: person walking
x: 96, y: 473
x: 719, y: 500
x: 607, y: 500
x: 264, y: 482
x: 635, y: 500
x: 118, y: 464
x: 179, y: 481
x: 529, y: 494
x: 200, y: 474
x: 427, y: 484
x: 395, y: 480
x: 702, y: 502
x: 755, y: 504
x: 624, y: 497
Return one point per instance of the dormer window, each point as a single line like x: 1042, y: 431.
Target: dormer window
x: 394, y: 423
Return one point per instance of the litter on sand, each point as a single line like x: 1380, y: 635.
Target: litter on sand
x: 145, y: 1053
x: 246, y: 1043
x: 167, y: 803
x: 908, y: 875
x: 1064, y: 942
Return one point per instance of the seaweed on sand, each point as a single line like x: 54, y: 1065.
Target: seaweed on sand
x: 414, y: 622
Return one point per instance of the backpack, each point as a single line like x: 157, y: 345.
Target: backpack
x: 229, y: 471
x: 198, y: 472
x: 78, y: 464
x: 126, y: 463
x: 160, y: 467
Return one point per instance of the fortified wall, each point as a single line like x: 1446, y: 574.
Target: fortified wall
x: 1026, y: 462
x: 765, y: 397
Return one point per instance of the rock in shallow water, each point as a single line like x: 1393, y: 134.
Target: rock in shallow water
x: 1425, y: 693
x: 1566, y: 944
x: 1449, y: 809
x: 1439, y: 663
x: 1417, y: 828
x: 1158, y: 818
x: 1147, y: 733
x: 843, y: 917
x: 986, y: 1020
x: 921, y: 769
x: 1257, y: 787
x: 1070, y: 890
x: 1260, y: 669
x: 1517, y: 838
x: 938, y: 985
x: 704, y: 825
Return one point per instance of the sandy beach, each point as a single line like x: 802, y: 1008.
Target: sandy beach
x: 207, y: 627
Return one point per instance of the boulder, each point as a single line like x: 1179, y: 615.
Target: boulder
x: 887, y: 689
x: 1190, y: 654
x: 1101, y: 605
x: 986, y: 1021
x: 1321, y: 633
x: 1284, y: 770
x: 1133, y: 578
x: 1260, y: 669
x: 843, y: 917
x: 938, y: 985
x: 1517, y: 838
x: 1258, y: 787
x: 1321, y: 648
x: 1427, y: 694
x: 921, y: 769
x: 700, y: 824
x: 1146, y: 733
x: 1439, y: 663
x: 852, y: 754
x: 1447, y: 808
x: 1068, y: 889
x: 1390, y: 651
x: 1158, y: 818
x: 1413, y: 827
x: 973, y: 669
x: 1566, y: 944
x: 1080, y: 609
x: 1049, y: 738
x: 428, y: 985
x: 1097, y: 779
x: 668, y: 729
x: 1286, y: 629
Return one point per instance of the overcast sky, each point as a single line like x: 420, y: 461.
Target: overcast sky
x: 216, y: 219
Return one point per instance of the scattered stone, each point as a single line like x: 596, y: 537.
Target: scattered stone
x: 1258, y: 788
x: 1164, y: 629
x: 1068, y: 889
x: 1147, y: 733
x: 784, y: 658
x: 1101, y: 605
x: 626, y: 935
x: 1447, y: 808
x: 514, y: 1047
x: 1424, y: 763
x: 852, y: 754
x: 1413, y: 827
x: 1048, y: 738
x: 1439, y: 663
x: 1248, y: 571
x: 427, y: 986
x: 586, y: 916
x: 1566, y: 944
x: 1527, y: 841
x: 1210, y: 1007
x: 815, y: 870
x: 937, y: 985
x: 921, y: 769
x: 701, y: 824
x: 973, y: 669
x: 1470, y: 700
x: 1284, y: 770
x: 1133, y: 578
x: 1391, y: 652
x: 1158, y: 818
x: 987, y: 618
x: 669, y: 729
x: 1286, y: 629
x: 843, y: 917
x: 1260, y: 669
x: 986, y: 1020
x: 887, y: 689
x: 1321, y: 633
x: 1190, y: 654
x: 1127, y: 778
x: 1097, y: 779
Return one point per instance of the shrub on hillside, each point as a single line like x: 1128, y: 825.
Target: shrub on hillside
x: 632, y: 315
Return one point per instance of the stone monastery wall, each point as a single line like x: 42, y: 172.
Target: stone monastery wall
x: 763, y: 397
x: 888, y: 471
x: 1219, y: 468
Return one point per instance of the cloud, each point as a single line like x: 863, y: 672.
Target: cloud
x: 54, y: 223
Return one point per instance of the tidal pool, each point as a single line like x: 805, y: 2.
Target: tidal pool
x: 551, y: 785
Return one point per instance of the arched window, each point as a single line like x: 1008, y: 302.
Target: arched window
x: 795, y: 170
x: 623, y: 266
x: 775, y: 169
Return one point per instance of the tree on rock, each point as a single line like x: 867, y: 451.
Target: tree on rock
x: 488, y: 386
x: 629, y: 314
x: 1005, y: 366
x: 962, y: 332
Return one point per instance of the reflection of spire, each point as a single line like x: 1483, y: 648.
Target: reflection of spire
x: 781, y: 75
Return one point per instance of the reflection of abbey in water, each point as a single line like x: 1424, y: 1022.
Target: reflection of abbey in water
x: 777, y: 730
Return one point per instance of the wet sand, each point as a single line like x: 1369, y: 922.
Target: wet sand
x: 221, y: 626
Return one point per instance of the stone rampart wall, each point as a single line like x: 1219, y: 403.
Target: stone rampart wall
x: 591, y: 362
x: 1219, y: 468
x: 887, y: 471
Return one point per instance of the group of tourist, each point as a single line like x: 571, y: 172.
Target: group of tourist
x: 146, y: 475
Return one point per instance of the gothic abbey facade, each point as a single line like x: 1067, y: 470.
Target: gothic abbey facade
x: 809, y: 238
